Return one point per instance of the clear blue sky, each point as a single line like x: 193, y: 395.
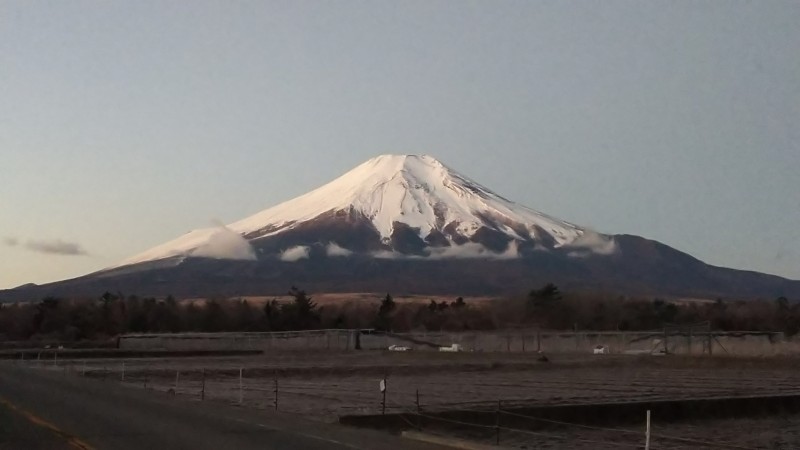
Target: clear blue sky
x: 126, y: 124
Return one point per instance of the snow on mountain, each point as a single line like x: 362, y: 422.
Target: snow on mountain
x: 216, y: 242
x: 417, y: 191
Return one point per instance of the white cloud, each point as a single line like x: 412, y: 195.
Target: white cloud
x: 225, y: 244
x: 590, y: 243
x: 295, y: 253
x: 469, y: 250
x: 386, y: 254
x: 473, y: 250
x: 333, y: 249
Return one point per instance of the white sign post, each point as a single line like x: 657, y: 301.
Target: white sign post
x: 382, y: 386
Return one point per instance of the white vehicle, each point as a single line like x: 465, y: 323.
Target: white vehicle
x: 398, y: 348
x: 600, y: 349
x: 452, y: 348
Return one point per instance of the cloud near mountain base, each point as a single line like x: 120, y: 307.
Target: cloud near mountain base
x: 295, y: 253
x: 225, y: 244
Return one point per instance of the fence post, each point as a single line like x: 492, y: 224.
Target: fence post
x: 203, y: 386
x: 177, y: 378
x: 710, y: 343
x: 497, y: 423
x: 383, y: 391
x: 419, y: 413
x: 647, y: 432
x: 538, y: 341
x: 241, y: 388
x: 276, y: 390
x: 577, y: 337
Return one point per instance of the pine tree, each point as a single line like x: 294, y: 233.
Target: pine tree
x: 301, y: 314
x: 383, y: 319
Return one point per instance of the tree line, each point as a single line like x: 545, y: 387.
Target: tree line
x: 545, y: 308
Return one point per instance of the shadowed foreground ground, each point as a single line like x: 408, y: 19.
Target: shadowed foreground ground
x: 40, y: 409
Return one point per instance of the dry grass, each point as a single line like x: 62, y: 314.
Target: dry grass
x: 325, y: 385
x: 355, y: 297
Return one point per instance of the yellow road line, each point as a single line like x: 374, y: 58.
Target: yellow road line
x: 73, y: 441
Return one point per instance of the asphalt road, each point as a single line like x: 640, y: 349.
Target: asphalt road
x: 43, y: 409
x: 17, y: 432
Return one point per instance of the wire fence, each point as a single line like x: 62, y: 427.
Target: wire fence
x: 514, y: 435
x: 687, y: 339
x: 498, y: 422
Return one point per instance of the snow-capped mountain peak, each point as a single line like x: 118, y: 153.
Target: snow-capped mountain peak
x: 400, y: 198
x: 418, y: 191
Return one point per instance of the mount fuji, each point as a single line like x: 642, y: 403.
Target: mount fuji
x: 392, y: 206
x: 408, y: 223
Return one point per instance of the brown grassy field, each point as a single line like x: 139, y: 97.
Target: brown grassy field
x: 448, y: 381
x: 358, y: 297
x: 326, y: 385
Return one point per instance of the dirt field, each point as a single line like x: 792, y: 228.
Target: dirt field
x: 323, y: 299
x: 327, y: 385
x: 775, y: 433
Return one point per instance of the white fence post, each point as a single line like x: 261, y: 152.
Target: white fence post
x: 647, y: 432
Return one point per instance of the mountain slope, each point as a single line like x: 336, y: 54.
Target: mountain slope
x: 405, y: 223
x: 413, y: 204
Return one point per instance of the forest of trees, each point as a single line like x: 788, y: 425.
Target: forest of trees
x: 546, y: 308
